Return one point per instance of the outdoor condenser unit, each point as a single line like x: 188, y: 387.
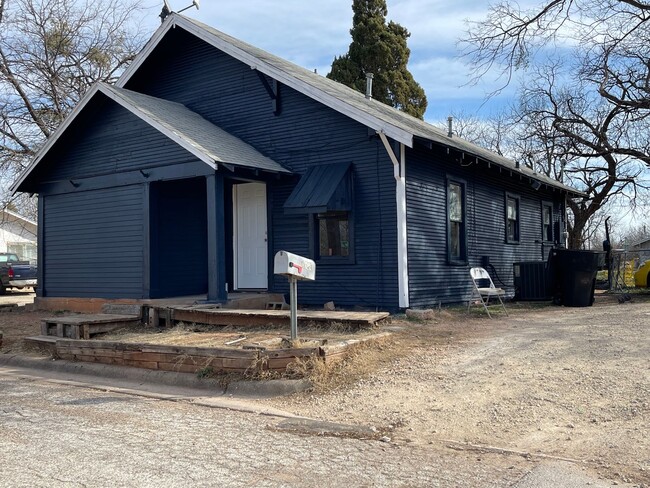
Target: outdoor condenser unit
x: 532, y: 280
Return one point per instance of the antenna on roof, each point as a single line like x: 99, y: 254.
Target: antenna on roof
x: 195, y: 3
x: 166, y: 10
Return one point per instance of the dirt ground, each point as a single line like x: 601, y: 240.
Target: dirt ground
x: 16, y: 322
x: 232, y: 337
x: 545, y: 382
x: 562, y: 382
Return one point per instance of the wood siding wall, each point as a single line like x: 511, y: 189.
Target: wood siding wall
x: 93, y: 243
x: 104, y: 223
x: 116, y: 142
x: 431, y: 277
x: 94, y: 238
x: 305, y: 133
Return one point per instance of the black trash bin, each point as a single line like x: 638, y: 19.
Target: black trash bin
x: 575, y: 276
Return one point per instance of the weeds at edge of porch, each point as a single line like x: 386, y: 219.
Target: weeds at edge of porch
x: 358, y: 361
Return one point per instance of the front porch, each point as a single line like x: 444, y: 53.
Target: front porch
x: 188, y: 334
x: 235, y: 300
x: 242, y: 309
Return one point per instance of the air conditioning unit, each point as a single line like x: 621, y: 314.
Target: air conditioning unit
x: 532, y: 281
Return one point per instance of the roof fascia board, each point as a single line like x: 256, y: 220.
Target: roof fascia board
x: 164, y: 129
x: 44, y: 149
x: 364, y: 118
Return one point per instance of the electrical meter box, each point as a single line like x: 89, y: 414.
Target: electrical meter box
x: 288, y: 264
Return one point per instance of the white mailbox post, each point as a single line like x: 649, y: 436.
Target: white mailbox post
x: 295, y: 268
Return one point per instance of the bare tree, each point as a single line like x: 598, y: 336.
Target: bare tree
x: 585, y: 94
x: 51, y: 51
x: 491, y: 132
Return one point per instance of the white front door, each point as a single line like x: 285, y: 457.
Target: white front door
x: 251, y: 251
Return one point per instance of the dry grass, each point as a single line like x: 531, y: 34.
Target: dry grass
x: 215, y: 336
x: 360, y: 361
x: 16, y: 325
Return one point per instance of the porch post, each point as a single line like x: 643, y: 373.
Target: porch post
x: 216, y: 239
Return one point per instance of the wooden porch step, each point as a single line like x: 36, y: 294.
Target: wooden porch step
x: 85, y: 326
x: 41, y: 343
x: 275, y: 318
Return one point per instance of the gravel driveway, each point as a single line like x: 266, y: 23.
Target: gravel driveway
x: 567, y: 383
x: 466, y: 401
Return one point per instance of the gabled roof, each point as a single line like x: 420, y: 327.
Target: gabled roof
x: 188, y: 129
x: 372, y: 113
x: 202, y: 138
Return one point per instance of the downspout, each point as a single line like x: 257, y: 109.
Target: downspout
x: 399, y: 173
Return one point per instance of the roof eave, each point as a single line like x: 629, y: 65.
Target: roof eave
x: 49, y: 142
x: 174, y: 20
x: 198, y: 151
x: 508, y: 167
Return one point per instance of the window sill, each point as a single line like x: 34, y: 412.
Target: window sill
x: 327, y: 260
x: 457, y: 262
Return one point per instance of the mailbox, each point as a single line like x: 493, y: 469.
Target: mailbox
x: 289, y: 264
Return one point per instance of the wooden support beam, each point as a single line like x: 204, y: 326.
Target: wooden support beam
x: 146, y: 271
x: 273, y: 90
x: 391, y: 155
x: 216, y: 239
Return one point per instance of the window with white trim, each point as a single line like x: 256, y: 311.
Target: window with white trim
x: 456, y: 230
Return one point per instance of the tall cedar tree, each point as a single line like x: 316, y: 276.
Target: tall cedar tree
x: 381, y: 49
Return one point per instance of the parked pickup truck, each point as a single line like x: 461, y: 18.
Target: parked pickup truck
x: 15, y: 273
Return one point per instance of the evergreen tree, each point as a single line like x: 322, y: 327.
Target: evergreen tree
x: 381, y: 49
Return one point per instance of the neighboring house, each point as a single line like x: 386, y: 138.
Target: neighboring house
x: 643, y: 244
x: 18, y: 235
x: 640, y: 249
x: 210, y: 155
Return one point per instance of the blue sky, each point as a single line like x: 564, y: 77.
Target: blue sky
x: 310, y: 33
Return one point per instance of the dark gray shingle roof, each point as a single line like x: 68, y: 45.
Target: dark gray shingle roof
x: 208, y: 139
x: 381, y: 117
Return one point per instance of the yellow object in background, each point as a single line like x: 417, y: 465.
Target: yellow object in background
x: 641, y: 275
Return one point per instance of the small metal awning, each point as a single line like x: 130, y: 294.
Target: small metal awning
x: 323, y: 188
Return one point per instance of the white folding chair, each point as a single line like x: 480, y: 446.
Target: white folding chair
x: 483, y: 288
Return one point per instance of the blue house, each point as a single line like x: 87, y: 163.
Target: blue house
x: 209, y: 155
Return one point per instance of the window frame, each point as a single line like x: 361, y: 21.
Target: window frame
x: 517, y: 238
x: 31, y: 256
x: 545, y: 236
x: 461, y: 260
x: 314, y: 240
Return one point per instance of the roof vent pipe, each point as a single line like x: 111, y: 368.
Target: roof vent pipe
x: 369, y: 77
x: 450, y: 125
